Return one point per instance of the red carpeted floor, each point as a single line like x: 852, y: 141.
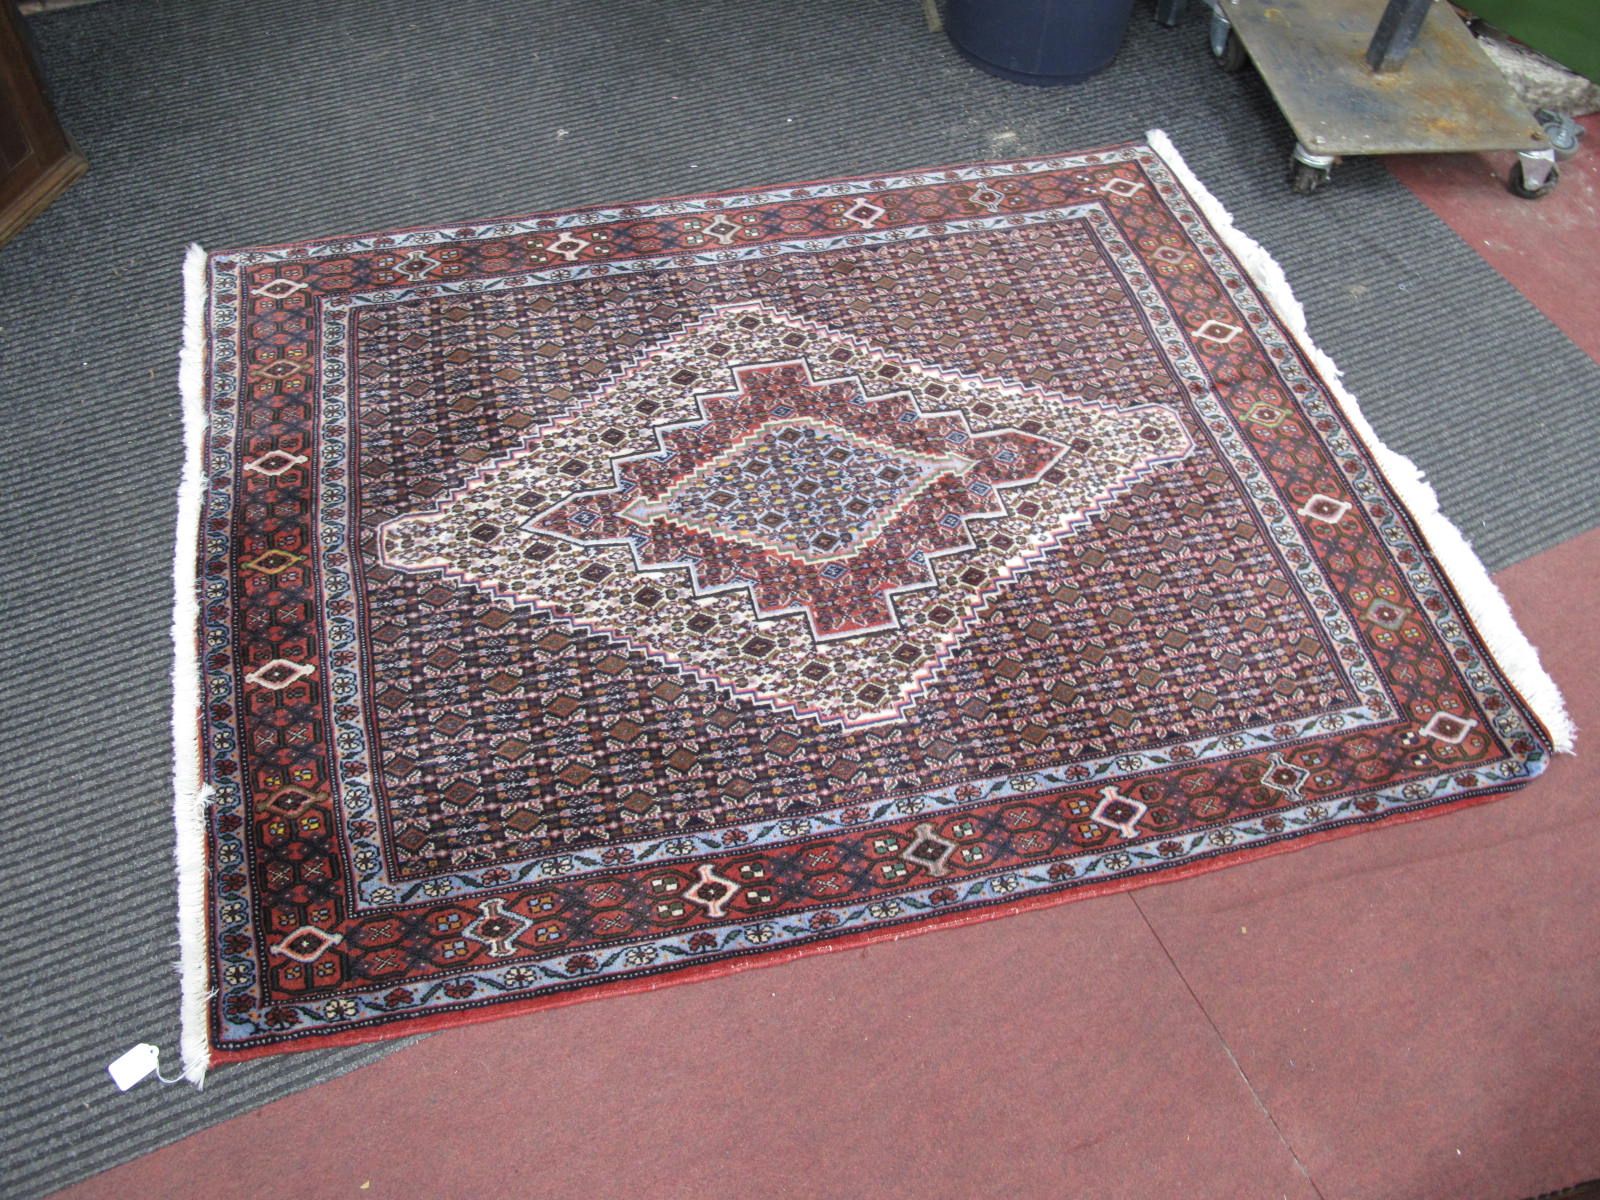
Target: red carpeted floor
x: 1409, y: 1013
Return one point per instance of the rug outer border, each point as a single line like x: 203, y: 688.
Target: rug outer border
x: 774, y: 958
x: 1510, y: 649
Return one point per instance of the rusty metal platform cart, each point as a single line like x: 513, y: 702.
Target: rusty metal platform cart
x: 1357, y: 77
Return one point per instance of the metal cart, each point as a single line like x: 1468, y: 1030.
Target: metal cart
x: 1368, y: 77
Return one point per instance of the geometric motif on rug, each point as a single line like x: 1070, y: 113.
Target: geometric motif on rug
x: 772, y: 493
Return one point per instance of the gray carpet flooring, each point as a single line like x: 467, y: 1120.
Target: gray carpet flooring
x: 236, y: 123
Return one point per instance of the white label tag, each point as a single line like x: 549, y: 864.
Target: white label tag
x: 134, y: 1065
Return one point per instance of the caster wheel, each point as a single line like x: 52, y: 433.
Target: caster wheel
x: 1304, y: 179
x: 1561, y: 131
x: 1520, y: 187
x: 1232, y: 57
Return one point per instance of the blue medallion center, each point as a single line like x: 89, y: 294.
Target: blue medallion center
x: 802, y: 488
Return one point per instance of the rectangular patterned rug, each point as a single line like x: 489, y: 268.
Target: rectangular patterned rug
x: 595, y: 600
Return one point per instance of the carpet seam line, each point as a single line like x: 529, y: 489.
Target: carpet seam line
x: 1233, y: 1059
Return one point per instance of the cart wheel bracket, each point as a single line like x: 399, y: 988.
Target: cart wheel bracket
x: 1535, y: 173
x: 1226, y: 47
x: 1309, y: 171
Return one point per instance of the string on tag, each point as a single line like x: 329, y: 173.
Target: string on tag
x: 137, y: 1064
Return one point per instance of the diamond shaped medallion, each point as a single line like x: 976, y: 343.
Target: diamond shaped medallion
x: 789, y: 492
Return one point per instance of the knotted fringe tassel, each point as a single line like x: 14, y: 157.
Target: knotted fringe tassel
x: 190, y: 794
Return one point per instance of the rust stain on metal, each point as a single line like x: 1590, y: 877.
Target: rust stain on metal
x: 1446, y: 96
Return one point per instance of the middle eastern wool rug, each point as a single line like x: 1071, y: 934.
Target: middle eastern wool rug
x: 609, y: 597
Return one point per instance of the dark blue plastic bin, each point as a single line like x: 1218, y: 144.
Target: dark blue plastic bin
x: 1038, y: 41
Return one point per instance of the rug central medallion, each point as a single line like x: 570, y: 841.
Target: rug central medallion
x: 811, y: 497
x: 783, y: 509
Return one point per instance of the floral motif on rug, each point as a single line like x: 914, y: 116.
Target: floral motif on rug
x: 609, y: 597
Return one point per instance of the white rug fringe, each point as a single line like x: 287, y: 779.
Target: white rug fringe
x: 190, y: 794
x: 1486, y: 607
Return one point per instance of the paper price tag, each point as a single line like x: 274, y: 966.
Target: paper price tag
x: 134, y: 1065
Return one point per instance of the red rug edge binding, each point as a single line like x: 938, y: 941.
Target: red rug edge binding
x: 713, y: 970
